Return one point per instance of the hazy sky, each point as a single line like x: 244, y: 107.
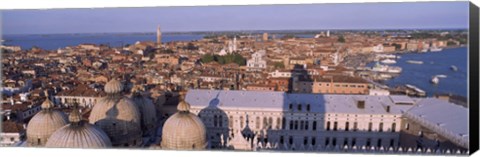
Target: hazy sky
x: 263, y: 17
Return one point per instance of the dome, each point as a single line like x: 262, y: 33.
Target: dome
x: 184, y: 130
x: 78, y: 134
x: 119, y: 117
x: 44, y: 123
x: 147, y: 111
x: 113, y: 86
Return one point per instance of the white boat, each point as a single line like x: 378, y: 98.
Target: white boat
x: 435, y: 80
x: 435, y: 49
x: 424, y: 50
x: 454, y: 68
x: 414, y: 62
x: 385, y: 76
x: 379, y: 68
x: 416, y: 89
x: 441, y: 76
x: 394, y: 69
x: 389, y: 61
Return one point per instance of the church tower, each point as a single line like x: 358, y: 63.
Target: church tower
x: 159, y: 37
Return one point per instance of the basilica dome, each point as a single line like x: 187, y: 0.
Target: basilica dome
x: 78, y: 134
x: 147, y: 111
x: 44, y: 123
x: 118, y: 116
x: 184, y: 130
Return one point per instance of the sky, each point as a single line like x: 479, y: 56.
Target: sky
x: 421, y: 15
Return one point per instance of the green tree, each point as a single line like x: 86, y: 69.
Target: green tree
x: 207, y: 58
x: 278, y: 65
x: 341, y: 39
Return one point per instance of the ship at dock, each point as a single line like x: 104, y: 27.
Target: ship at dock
x: 386, y: 69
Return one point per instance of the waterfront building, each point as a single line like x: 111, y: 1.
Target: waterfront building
x: 306, y: 122
x: 265, y: 36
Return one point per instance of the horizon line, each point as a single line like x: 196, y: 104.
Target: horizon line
x: 246, y: 30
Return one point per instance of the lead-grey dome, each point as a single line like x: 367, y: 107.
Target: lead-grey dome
x: 147, y: 111
x: 44, y: 123
x: 184, y: 130
x: 78, y: 134
x: 118, y: 116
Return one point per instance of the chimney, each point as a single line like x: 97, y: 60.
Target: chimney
x: 361, y: 104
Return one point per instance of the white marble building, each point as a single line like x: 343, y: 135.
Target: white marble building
x: 277, y: 120
x: 257, y: 62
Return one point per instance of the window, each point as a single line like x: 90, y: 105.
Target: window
x: 407, y: 126
x: 355, y: 126
x: 270, y: 122
x: 306, y: 125
x: 392, y: 142
x: 369, y: 126
x: 327, y: 141
x: 308, y: 107
x: 241, y: 121
x: 299, y: 107
x: 290, y: 140
x: 305, y: 140
x: 354, y: 142
x: 368, y: 142
x: 379, y: 142
x: 278, y: 123
x: 302, y: 124
x: 334, y: 141
x: 346, y: 126
x: 328, y: 126
x: 313, y: 141
x: 230, y: 122
x: 393, y: 127
x: 335, y: 126
x: 283, y: 123
x: 314, y: 125
x: 220, y: 120
x: 281, y: 139
x: 265, y: 125
x: 296, y: 125
x: 345, y: 142
x: 380, y: 127
x: 291, y: 125
x: 215, y: 120
x: 257, y: 123
x: 290, y: 107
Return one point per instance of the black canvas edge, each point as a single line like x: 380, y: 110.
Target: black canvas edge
x: 473, y: 78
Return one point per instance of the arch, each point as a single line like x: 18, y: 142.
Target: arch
x: 328, y: 125
x: 393, y: 127
x: 335, y: 125
x: 347, y: 125
x: 299, y: 107
x: 257, y: 122
x: 380, y: 127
